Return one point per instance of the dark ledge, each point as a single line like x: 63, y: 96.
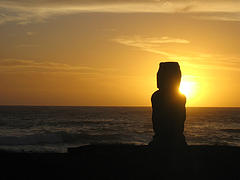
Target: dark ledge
x: 124, y: 161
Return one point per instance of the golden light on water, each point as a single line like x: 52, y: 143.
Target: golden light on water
x: 188, y: 88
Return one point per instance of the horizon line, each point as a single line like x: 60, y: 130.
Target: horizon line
x: 112, y: 106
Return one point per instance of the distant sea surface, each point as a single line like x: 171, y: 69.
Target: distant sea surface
x: 54, y: 129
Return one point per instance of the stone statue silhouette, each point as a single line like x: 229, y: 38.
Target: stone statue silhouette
x: 168, y: 108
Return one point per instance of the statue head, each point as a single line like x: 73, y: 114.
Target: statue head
x: 169, y: 76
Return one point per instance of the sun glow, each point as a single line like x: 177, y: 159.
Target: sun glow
x: 187, y: 88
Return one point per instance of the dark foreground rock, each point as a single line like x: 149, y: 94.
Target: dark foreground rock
x: 124, y: 162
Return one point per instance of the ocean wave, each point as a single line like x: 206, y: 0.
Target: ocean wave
x: 231, y: 130
x: 57, y: 138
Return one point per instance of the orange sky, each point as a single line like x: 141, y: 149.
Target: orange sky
x: 107, y: 52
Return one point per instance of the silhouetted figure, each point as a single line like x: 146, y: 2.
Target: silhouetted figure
x: 168, y: 108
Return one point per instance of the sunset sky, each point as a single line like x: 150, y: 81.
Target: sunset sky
x: 107, y: 52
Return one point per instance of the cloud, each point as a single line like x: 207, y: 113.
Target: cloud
x: 193, y: 59
x: 27, y: 45
x: 219, y: 16
x: 149, y: 44
x: 17, y: 65
x: 211, y: 61
x: 29, y: 11
x: 29, y: 33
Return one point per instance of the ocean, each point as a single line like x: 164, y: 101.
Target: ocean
x: 54, y: 129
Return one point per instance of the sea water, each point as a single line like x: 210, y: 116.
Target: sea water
x: 54, y: 129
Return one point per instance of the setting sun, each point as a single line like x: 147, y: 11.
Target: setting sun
x: 187, y: 88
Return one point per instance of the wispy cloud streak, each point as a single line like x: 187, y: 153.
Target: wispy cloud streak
x: 149, y: 44
x: 18, y: 65
x: 28, y: 11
